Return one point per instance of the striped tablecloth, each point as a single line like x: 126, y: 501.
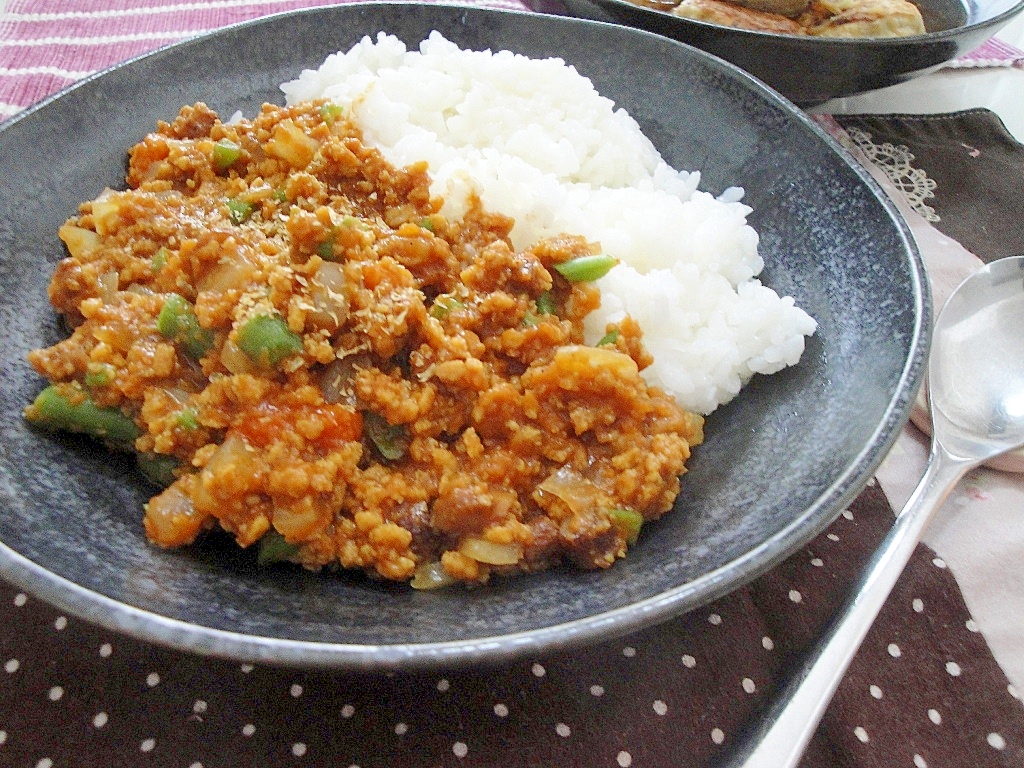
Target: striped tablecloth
x: 46, y: 45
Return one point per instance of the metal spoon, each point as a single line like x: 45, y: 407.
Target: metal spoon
x: 976, y: 390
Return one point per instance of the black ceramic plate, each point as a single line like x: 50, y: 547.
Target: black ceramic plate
x: 779, y: 463
x: 811, y: 70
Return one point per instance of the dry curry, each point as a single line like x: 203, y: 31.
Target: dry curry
x: 303, y: 352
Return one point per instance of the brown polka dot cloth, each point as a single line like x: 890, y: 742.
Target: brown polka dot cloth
x: 963, y: 171
x: 923, y: 691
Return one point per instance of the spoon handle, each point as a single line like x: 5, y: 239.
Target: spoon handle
x: 781, y: 736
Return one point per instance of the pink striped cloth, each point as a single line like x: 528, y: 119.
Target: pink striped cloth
x: 994, y: 53
x: 46, y: 45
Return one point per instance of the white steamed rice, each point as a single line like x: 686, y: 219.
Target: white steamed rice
x: 535, y: 141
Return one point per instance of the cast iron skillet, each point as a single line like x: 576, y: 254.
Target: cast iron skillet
x: 779, y: 464
x: 811, y: 70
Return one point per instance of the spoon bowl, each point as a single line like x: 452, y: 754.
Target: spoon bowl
x: 976, y: 388
x: 976, y: 368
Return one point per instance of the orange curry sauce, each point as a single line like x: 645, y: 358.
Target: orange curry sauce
x: 350, y: 375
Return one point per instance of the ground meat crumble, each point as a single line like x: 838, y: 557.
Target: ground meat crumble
x: 311, y: 358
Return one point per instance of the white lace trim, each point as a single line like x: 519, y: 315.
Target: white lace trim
x: 895, y: 160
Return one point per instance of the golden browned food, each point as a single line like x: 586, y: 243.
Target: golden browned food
x: 788, y: 8
x: 820, y: 18
x: 863, y: 18
x: 735, y: 15
x: 324, y: 366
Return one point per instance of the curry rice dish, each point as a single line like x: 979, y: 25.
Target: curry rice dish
x: 306, y: 354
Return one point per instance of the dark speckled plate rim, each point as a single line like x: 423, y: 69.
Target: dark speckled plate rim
x: 882, y: 42
x: 828, y: 67
x: 205, y: 641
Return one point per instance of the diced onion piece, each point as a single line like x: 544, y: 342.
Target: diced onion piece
x: 234, y: 450
x: 231, y: 456
x: 108, y: 283
x: 258, y: 193
x: 105, y: 212
x: 331, y: 276
x: 179, y: 395
x: 80, y: 241
x: 291, y: 144
x: 301, y: 520
x: 171, y: 519
x: 431, y: 576
x: 328, y: 294
x: 491, y: 553
x: 586, y: 360
x: 574, y: 490
x: 234, y: 274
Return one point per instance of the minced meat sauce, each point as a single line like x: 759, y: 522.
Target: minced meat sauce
x: 309, y: 356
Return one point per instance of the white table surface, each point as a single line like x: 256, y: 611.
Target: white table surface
x: 1000, y: 89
